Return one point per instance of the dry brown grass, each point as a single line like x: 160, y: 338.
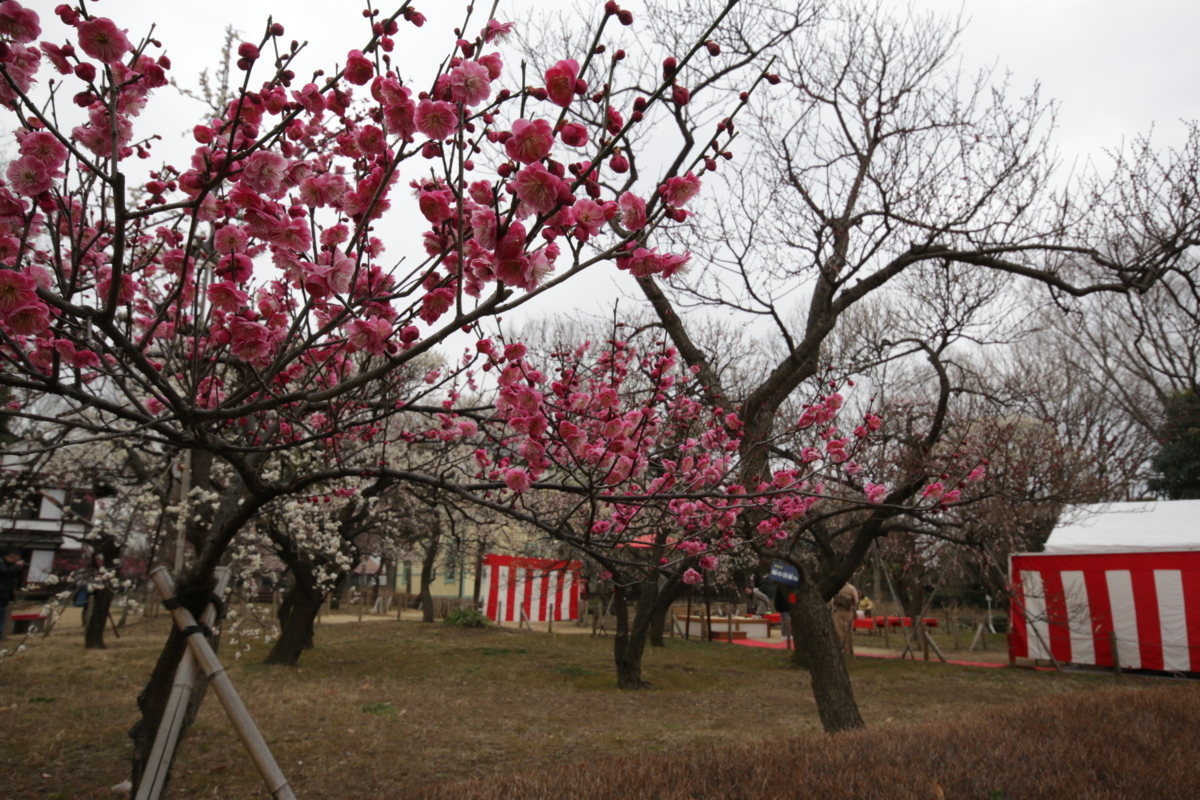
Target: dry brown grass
x: 385, y: 709
x: 1123, y: 745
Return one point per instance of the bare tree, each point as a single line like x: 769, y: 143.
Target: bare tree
x: 877, y: 160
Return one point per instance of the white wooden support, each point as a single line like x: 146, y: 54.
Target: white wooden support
x: 979, y: 636
x: 218, y: 679
x: 936, y: 649
x: 167, y: 738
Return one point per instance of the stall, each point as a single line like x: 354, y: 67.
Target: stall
x: 1116, y: 583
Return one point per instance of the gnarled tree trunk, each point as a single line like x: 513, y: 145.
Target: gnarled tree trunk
x: 93, y: 635
x: 819, y: 650
x: 297, y: 614
x: 194, y: 589
x: 629, y: 642
x: 662, y: 609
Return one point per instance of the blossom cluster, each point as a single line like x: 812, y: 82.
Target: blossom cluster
x: 260, y: 256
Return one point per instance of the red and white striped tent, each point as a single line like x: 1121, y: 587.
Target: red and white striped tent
x: 541, y: 586
x: 1132, y: 569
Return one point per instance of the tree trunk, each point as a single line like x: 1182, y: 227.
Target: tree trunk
x: 662, y: 607
x: 194, y: 590
x: 628, y: 644
x: 819, y: 650
x: 152, y: 701
x: 478, y: 575
x: 93, y: 637
x: 427, y: 564
x: 297, y: 613
x: 105, y: 552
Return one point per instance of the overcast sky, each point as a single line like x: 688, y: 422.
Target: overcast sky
x: 1114, y: 70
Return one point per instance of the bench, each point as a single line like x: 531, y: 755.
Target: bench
x: 22, y: 620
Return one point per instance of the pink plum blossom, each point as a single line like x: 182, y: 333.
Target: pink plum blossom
x: 678, y: 190
x: 359, y: 69
x: 496, y: 31
x: 876, y: 493
x: 29, y: 319
x: 264, y: 172
x: 227, y: 297
x: 518, y: 480
x: 692, y: 578
x: 633, y: 211
x: 370, y: 334
x: 560, y: 82
x: 538, y: 188
x: 16, y: 289
x: 29, y: 176
x: 531, y: 141
x: 45, y: 147
x: 436, y: 119
x: 102, y: 40
x: 19, y: 23
x: 470, y: 83
x: 574, y: 135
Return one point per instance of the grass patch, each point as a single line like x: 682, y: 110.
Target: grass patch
x: 465, y: 703
x: 1107, y: 745
x: 576, y: 672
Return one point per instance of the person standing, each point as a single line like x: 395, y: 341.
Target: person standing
x: 845, y: 603
x: 759, y: 602
x: 11, y: 567
x: 784, y: 608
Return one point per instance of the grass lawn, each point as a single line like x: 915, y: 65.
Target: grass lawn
x: 384, y: 708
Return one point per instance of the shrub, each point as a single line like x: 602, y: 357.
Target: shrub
x: 466, y: 618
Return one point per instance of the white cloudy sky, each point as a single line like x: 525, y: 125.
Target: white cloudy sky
x: 1115, y: 71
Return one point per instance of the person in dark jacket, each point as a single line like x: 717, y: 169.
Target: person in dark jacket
x: 10, y: 575
x: 784, y: 609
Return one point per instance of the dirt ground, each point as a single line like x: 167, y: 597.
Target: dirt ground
x: 384, y: 707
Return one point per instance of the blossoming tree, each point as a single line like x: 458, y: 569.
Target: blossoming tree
x: 889, y: 176
x: 245, y: 302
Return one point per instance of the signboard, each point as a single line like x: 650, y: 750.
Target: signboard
x: 784, y: 573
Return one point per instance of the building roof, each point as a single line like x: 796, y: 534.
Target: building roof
x: 1164, y: 525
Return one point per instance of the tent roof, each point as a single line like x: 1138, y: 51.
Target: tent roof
x: 1128, y: 527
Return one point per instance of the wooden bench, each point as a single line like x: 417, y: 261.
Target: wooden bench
x: 21, y: 620
x: 727, y: 636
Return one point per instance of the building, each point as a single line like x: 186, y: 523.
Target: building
x: 47, y: 526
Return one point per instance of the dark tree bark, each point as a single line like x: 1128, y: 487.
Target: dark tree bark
x: 628, y: 645
x: 106, y: 551
x: 629, y: 642
x: 662, y: 609
x: 93, y: 636
x: 194, y: 589
x: 819, y: 650
x: 297, y: 614
x: 427, y: 564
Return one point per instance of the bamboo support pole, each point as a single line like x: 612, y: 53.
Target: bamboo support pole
x: 222, y: 686
x: 936, y: 649
x: 979, y: 636
x: 165, y: 740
